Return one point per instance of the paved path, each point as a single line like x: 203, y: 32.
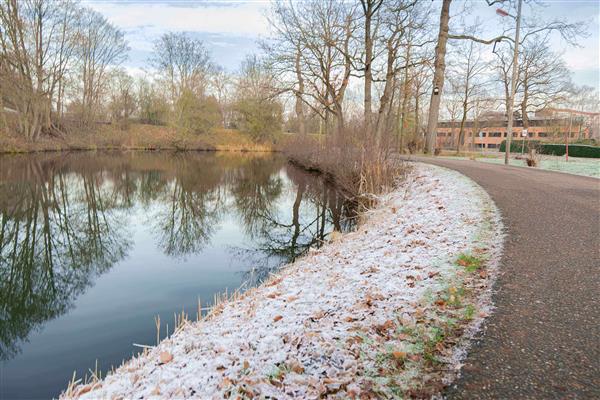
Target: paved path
x: 543, y: 340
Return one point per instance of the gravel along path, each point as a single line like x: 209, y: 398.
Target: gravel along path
x: 382, y: 312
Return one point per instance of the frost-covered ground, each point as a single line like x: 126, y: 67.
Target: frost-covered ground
x: 381, y: 312
x: 575, y: 165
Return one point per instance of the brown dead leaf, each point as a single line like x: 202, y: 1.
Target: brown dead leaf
x: 166, y: 357
x: 83, y: 390
x: 296, y: 367
x: 399, y: 355
x: 274, y: 281
x: 277, y: 318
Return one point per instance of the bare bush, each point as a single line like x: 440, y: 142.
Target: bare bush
x: 358, y: 165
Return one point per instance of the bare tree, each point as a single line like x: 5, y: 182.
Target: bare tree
x: 467, y: 81
x: 221, y: 84
x: 101, y: 46
x: 369, y: 12
x: 543, y: 78
x: 122, y: 98
x: 319, y: 41
x: 183, y: 63
x: 438, y: 77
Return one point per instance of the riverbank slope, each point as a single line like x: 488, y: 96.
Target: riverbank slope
x: 136, y: 137
x: 382, y: 312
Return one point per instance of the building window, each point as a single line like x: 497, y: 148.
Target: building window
x: 482, y: 134
x: 542, y: 134
x: 495, y: 134
x: 441, y: 134
x: 492, y: 145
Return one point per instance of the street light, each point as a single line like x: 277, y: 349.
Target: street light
x: 502, y: 12
x: 513, y: 82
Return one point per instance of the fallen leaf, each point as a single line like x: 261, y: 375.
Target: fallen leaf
x: 399, y: 355
x: 165, y: 357
x: 277, y: 318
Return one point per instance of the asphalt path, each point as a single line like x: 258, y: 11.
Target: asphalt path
x: 543, y: 339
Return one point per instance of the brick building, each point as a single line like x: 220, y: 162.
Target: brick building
x: 489, y: 131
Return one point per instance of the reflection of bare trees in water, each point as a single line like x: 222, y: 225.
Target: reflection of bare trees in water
x: 53, y: 241
x: 317, y: 209
x: 63, y: 220
x: 194, y: 202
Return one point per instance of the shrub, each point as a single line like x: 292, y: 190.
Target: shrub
x: 196, y: 115
x: 259, y: 118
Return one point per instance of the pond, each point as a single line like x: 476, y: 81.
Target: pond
x: 94, y: 246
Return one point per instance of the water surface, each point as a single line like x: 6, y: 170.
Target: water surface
x: 93, y: 246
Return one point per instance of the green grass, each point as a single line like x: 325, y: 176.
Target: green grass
x: 470, y: 262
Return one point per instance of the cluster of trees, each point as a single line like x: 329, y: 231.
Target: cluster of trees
x: 54, y: 56
x: 393, y: 56
x: 61, y: 67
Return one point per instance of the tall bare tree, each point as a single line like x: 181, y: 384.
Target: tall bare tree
x: 101, y: 46
x: 319, y: 37
x: 468, y: 81
x: 183, y: 63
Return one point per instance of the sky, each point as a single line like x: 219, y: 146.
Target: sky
x: 231, y: 28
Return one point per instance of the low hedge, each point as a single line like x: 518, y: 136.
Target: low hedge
x: 556, y: 149
x: 517, y: 145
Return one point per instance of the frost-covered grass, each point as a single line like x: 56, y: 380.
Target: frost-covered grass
x: 382, y: 312
x: 577, y: 166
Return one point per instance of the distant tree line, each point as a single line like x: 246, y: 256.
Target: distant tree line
x: 61, y: 73
x: 380, y: 64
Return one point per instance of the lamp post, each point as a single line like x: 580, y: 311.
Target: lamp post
x: 513, y: 82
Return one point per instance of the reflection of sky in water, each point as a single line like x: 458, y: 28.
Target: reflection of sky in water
x: 117, y: 309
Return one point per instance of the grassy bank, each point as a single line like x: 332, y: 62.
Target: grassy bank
x: 137, y: 137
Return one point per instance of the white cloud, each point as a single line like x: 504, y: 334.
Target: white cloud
x: 243, y: 18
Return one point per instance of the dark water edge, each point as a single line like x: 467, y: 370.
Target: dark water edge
x: 94, y: 245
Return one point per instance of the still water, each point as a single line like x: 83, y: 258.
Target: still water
x: 93, y: 246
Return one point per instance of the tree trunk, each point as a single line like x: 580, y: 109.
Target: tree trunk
x: 461, y: 132
x: 368, y: 71
x: 438, y: 77
x: 299, y: 93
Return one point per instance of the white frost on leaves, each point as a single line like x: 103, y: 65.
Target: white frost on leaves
x: 341, y: 321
